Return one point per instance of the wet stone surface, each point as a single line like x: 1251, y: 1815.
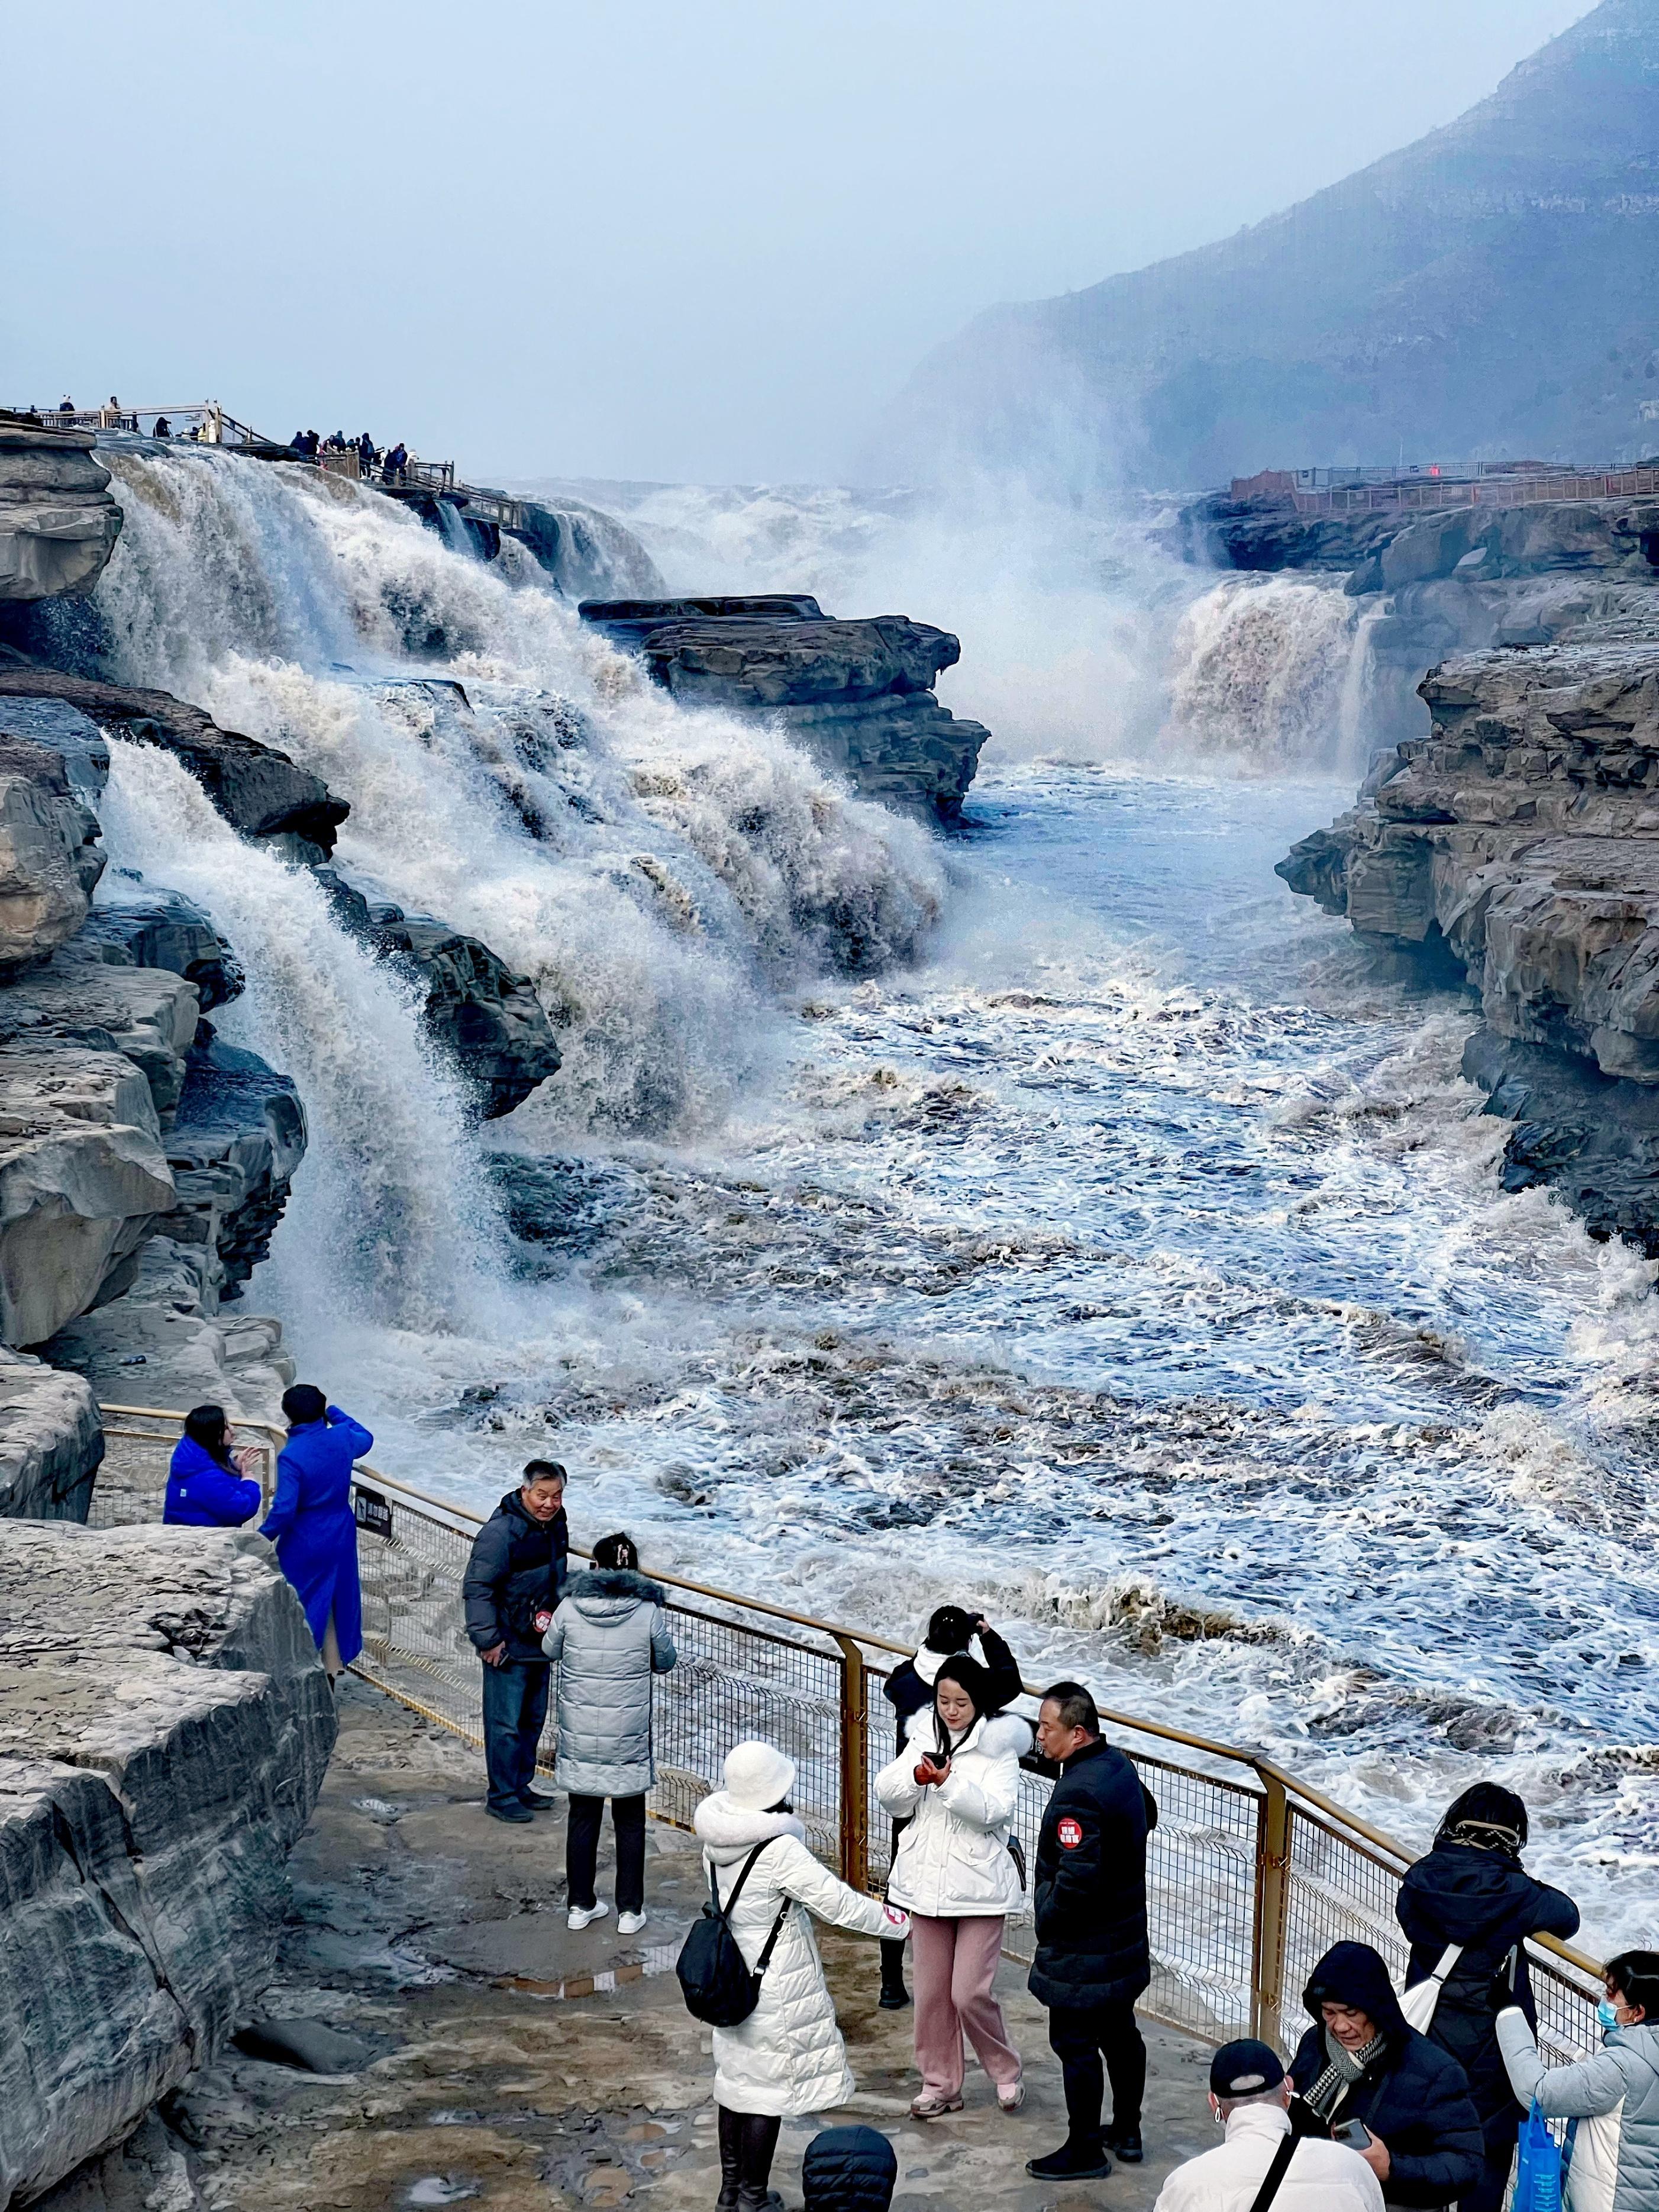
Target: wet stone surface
x: 436, y: 1937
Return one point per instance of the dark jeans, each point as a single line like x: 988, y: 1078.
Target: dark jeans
x: 582, y: 1850
x: 1080, y: 2041
x: 514, y: 1708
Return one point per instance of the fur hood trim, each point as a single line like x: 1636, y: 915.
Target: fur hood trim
x: 728, y: 1832
x: 998, y: 1736
x: 616, y: 1581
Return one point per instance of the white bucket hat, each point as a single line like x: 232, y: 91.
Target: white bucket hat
x: 758, y: 1776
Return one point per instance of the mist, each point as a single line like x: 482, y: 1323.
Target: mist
x: 658, y: 243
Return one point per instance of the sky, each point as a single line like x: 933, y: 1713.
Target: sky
x: 671, y: 242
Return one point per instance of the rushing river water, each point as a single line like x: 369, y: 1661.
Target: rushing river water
x: 1124, y: 1257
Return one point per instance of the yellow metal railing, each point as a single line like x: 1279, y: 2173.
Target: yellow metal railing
x: 1252, y: 1874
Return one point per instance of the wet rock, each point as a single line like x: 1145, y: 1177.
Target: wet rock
x: 164, y: 929
x: 587, y: 553
x: 237, y: 1139
x: 49, y: 856
x: 310, y: 2045
x: 485, y: 1017
x: 125, y: 1966
x: 51, y: 1442
x: 57, y: 521
x: 259, y: 790
x: 857, y: 695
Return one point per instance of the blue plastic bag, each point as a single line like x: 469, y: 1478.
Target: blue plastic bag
x: 1538, y: 2169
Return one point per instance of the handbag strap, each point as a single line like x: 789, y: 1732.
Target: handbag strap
x: 1449, y: 1959
x: 1273, y: 2180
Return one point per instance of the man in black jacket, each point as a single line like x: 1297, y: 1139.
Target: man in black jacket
x: 513, y: 1583
x: 1093, y: 1958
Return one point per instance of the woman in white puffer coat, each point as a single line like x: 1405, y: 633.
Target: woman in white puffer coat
x: 788, y: 2058
x: 957, y: 1782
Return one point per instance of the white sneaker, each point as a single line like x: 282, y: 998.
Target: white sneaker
x: 630, y: 1923
x: 579, y: 1915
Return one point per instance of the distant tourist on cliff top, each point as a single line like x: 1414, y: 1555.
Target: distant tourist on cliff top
x: 952, y: 1632
x: 1093, y: 1954
x: 312, y: 1523
x: 1362, y: 2060
x: 514, y: 1581
x: 162, y: 429
x: 210, y: 1482
x: 609, y: 1637
x: 1250, y: 2096
x: 396, y: 462
x: 1471, y: 1897
x: 65, y: 406
x: 787, y: 2058
x: 1613, y: 2097
x: 365, y: 452
x: 954, y: 1787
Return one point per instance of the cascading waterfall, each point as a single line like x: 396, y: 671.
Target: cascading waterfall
x: 1271, y: 674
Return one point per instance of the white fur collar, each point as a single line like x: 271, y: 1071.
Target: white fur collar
x: 1000, y: 1736
x: 729, y: 1831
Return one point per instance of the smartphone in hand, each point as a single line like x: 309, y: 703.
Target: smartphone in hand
x: 1354, y: 2135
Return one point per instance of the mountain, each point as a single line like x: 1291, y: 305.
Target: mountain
x: 1491, y: 292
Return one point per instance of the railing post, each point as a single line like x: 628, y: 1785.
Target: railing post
x: 854, y: 1766
x: 1267, y: 1933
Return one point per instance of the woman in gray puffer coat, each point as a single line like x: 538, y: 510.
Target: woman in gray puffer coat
x: 609, y: 1637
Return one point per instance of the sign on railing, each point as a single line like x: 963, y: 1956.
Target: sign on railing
x: 1251, y: 1874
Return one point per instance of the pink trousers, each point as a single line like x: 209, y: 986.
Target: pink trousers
x: 953, y: 1964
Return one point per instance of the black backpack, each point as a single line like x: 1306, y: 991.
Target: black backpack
x: 714, y: 1975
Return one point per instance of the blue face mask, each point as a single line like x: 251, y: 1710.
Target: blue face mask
x: 1608, y: 2012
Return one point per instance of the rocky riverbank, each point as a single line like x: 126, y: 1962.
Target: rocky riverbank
x: 858, y: 695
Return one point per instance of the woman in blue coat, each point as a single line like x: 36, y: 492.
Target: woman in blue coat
x: 312, y: 1523
x: 206, y: 1488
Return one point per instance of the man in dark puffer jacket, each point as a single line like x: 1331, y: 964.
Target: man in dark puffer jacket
x: 1361, y: 2061
x: 1093, y: 1958
x: 510, y: 1590
x: 848, y: 2170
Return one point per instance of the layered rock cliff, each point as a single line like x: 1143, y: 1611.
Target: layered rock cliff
x: 58, y: 522
x: 858, y: 695
x: 165, y: 1726
x: 1517, y: 845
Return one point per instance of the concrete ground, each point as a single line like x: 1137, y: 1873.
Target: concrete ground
x: 515, y: 2065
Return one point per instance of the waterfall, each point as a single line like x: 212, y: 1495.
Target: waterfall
x: 1270, y: 673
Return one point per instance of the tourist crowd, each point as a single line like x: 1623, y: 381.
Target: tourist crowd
x: 1416, y: 2100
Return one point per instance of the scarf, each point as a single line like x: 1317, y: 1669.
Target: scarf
x: 1346, y: 2067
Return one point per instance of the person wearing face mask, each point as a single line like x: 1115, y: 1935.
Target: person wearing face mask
x: 1613, y: 2097
x: 1472, y: 1895
x: 787, y: 2058
x: 1362, y: 2063
x: 956, y: 1785
x: 1262, y: 2162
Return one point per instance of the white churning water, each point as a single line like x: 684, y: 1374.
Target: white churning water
x: 1112, y: 1252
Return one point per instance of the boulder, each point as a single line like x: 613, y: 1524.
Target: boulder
x: 856, y: 694
x: 165, y: 1726
x: 49, y: 856
x: 239, y: 1134
x: 164, y: 929
x: 482, y: 1014
x: 51, y: 1442
x: 259, y: 790
x: 57, y: 521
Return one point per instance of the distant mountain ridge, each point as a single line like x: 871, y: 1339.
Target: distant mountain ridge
x: 1489, y: 292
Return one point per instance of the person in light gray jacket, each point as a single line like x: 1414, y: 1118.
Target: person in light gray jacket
x: 1613, y: 2165
x: 609, y: 1637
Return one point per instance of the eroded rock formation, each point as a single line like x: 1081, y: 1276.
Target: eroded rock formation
x: 51, y: 1442
x: 142, y: 1835
x: 58, y: 522
x: 1519, y: 844
x: 858, y: 695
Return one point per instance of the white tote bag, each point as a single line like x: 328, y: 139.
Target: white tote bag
x: 1419, y: 2000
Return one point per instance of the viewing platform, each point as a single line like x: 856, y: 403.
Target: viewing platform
x: 1443, y: 484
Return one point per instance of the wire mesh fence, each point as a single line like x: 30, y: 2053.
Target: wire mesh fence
x: 1249, y: 1881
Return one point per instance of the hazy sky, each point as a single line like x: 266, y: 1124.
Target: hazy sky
x: 635, y: 239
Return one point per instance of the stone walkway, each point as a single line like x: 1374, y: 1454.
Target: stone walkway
x: 518, y: 2067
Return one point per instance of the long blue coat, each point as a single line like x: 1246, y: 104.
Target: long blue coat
x: 202, y: 1494
x: 312, y: 1524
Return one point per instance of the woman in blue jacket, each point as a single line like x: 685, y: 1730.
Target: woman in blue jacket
x: 312, y: 1523
x: 206, y: 1488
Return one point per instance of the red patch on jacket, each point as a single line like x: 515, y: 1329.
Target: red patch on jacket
x: 1070, y: 1834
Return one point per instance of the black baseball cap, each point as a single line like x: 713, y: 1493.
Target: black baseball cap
x: 1244, y: 2068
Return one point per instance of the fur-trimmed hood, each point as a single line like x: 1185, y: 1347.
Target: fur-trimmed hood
x: 603, y: 1593
x: 996, y: 1736
x: 729, y: 1831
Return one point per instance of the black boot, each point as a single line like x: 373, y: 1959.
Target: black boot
x: 759, y: 2140
x: 894, y: 1995
x: 731, y: 2140
x: 1125, y: 2142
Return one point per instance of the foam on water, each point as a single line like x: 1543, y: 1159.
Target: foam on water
x: 1110, y: 1248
